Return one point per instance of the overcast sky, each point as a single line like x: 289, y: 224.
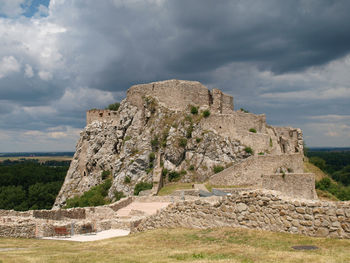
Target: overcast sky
x: 59, y: 58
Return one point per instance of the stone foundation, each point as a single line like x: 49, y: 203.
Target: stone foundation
x: 259, y: 210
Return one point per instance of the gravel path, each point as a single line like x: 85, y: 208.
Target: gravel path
x: 93, y: 237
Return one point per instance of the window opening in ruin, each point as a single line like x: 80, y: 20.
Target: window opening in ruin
x: 101, y: 114
x: 84, y: 173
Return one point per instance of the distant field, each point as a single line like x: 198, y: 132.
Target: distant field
x: 177, y: 245
x: 40, y: 158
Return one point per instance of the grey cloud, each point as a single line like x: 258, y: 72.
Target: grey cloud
x: 108, y: 46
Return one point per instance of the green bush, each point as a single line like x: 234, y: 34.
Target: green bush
x: 182, y: 142
x: 194, y: 110
x: 191, y: 168
x: 198, y: 140
x: 165, y: 137
x: 252, y: 130
x: 174, y: 176
x: 271, y: 144
x: 206, y: 113
x: 127, y: 180
x: 114, y: 106
x: 218, y: 168
x: 260, y: 153
x: 126, y: 138
x: 151, y: 158
x: 141, y: 187
x: 155, y: 143
x: 118, y: 195
x: 164, y: 172
x: 244, y: 110
x: 94, y: 197
x: 248, y: 150
x: 189, y: 132
x: 105, y: 174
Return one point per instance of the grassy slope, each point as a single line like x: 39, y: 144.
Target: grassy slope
x: 323, y: 195
x: 162, y: 245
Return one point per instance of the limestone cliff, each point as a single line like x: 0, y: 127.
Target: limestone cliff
x: 158, y: 121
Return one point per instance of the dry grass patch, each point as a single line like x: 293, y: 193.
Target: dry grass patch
x: 176, y: 245
x: 310, y: 168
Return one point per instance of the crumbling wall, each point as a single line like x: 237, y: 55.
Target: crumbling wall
x: 178, y: 94
x: 258, y: 210
x: 301, y: 185
x: 100, y: 115
x: 248, y: 172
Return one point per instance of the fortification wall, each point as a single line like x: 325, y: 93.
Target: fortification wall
x: 297, y: 185
x: 248, y: 172
x: 100, y: 115
x: 259, y: 210
x: 178, y: 94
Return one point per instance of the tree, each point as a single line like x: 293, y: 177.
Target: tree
x: 114, y: 106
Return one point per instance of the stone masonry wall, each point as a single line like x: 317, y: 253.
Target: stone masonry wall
x: 178, y: 94
x: 100, y: 115
x: 259, y: 210
x: 300, y: 185
x: 248, y: 173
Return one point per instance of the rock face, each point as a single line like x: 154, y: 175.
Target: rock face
x: 158, y: 121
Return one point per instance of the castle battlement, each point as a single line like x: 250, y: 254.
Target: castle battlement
x: 178, y: 94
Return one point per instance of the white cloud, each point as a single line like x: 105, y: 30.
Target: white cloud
x: 8, y: 65
x: 45, y: 75
x: 28, y: 71
x: 11, y: 8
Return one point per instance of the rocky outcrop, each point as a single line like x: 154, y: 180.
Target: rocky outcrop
x: 158, y: 121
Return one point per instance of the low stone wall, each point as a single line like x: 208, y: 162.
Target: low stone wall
x: 18, y: 230
x: 186, y: 192
x: 260, y: 210
x: 59, y: 214
x: 39, y: 223
x: 121, y: 203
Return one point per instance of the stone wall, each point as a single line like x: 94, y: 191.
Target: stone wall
x: 178, y: 94
x: 259, y: 210
x: 59, y: 214
x: 24, y: 230
x: 248, y: 172
x: 267, y: 139
x: 100, y: 115
x: 300, y: 185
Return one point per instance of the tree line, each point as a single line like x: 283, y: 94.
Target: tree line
x: 337, y: 165
x: 28, y: 185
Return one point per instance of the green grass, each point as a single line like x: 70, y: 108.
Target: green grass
x: 177, y: 245
x: 170, y: 188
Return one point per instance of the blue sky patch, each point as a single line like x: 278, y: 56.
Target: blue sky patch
x: 31, y: 6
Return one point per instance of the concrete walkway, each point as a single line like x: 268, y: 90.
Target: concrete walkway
x: 93, y: 237
x: 147, y: 208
